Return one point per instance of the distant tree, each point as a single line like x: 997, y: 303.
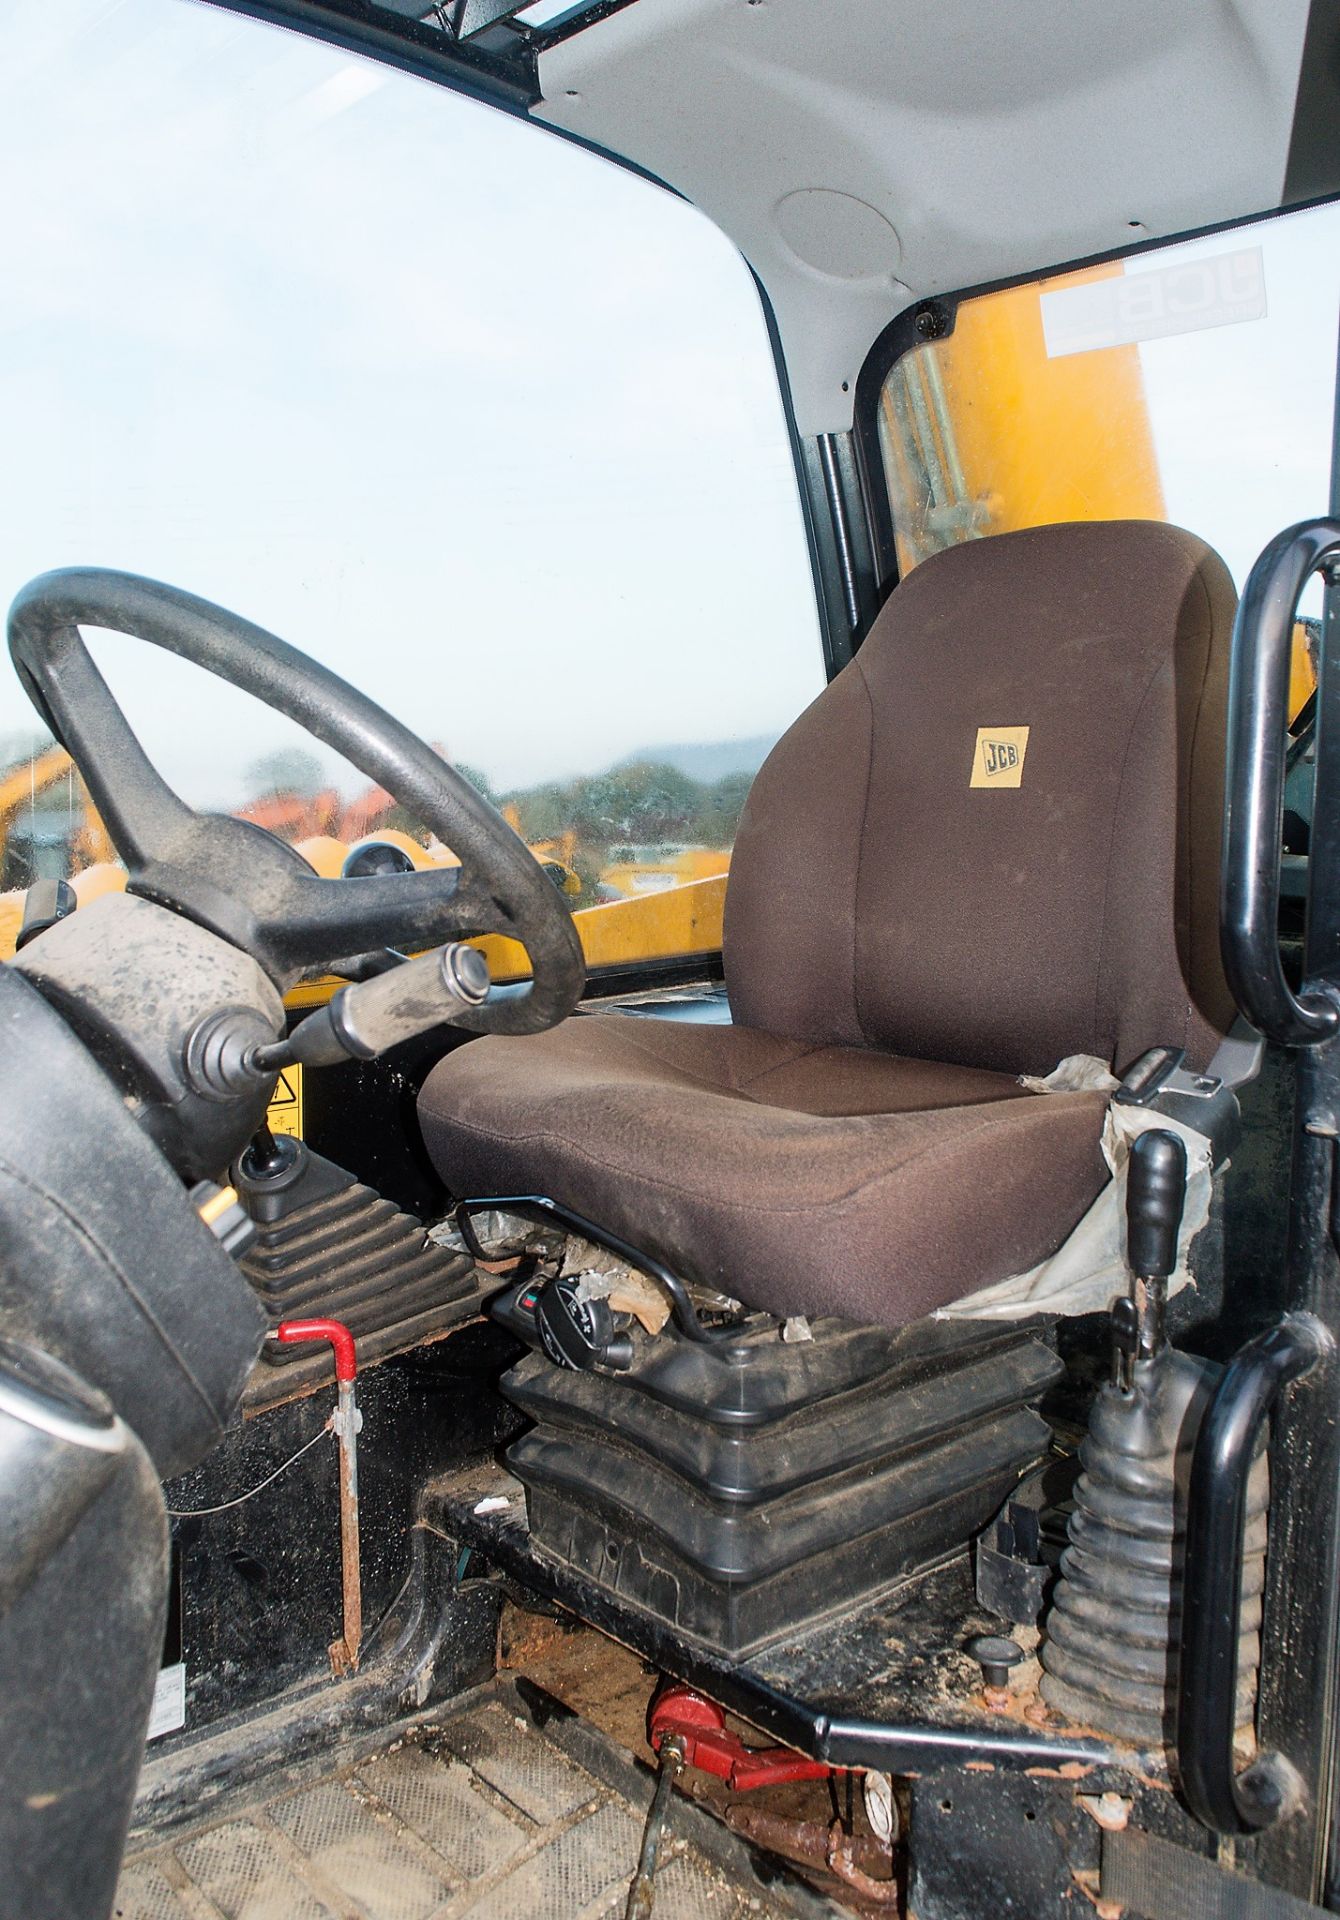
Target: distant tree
x: 645, y: 803
x: 719, y: 812
x: 288, y: 771
x: 479, y: 781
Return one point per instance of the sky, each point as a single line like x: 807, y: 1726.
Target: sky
x: 482, y: 421
x: 485, y: 423
x: 1243, y: 414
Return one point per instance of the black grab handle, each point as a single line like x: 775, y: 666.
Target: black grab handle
x: 1258, y: 701
x: 1223, y: 1800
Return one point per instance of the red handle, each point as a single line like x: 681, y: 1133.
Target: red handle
x: 339, y: 1336
x: 699, y: 1725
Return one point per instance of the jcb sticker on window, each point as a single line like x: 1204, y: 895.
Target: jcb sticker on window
x: 284, y: 1114
x: 998, y: 758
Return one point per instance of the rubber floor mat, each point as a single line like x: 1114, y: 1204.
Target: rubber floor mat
x: 479, y: 1816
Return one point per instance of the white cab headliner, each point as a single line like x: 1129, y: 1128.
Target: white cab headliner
x: 866, y: 153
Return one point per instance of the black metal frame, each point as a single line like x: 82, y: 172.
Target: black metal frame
x: 1257, y: 751
x: 359, y: 26
x: 1287, y: 1797
x: 494, y: 58
x: 831, y: 599
x: 1270, y: 1788
x: 539, y: 1207
x: 789, y: 1713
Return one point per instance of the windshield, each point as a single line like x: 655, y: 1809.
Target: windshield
x: 484, y: 423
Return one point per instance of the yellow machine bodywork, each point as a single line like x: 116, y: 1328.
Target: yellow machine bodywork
x: 684, y: 919
x: 982, y: 432
x: 31, y: 777
x: 661, y: 872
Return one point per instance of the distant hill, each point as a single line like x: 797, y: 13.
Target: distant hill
x: 710, y: 762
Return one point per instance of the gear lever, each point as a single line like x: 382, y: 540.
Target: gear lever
x: 1155, y: 1199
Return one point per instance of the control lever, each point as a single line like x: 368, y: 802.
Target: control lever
x: 1155, y: 1199
x: 347, y: 1424
x: 45, y: 902
x: 366, y: 1018
x: 1116, y: 1604
x: 223, y: 1057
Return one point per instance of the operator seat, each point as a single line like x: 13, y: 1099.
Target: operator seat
x: 990, y: 843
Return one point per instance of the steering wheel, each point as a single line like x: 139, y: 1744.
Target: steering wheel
x: 233, y: 877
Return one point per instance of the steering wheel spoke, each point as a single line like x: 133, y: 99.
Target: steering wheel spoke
x: 139, y: 809
x: 233, y: 877
x: 426, y: 908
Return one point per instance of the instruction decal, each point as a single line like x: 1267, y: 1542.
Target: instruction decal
x: 998, y: 757
x: 284, y: 1113
x: 1216, y: 290
x: 168, y: 1711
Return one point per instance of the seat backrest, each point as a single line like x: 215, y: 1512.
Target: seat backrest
x: 994, y: 838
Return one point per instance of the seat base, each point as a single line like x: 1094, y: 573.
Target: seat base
x: 796, y: 1477
x: 887, y: 1686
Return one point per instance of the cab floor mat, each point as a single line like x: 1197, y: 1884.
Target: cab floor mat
x: 479, y: 1813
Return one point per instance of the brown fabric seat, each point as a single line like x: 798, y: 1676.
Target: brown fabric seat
x: 819, y: 1174
x: 906, y: 933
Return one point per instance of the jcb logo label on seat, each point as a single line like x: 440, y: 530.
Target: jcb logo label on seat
x: 998, y: 760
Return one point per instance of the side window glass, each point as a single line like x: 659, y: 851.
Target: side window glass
x: 1193, y: 383
x: 485, y: 424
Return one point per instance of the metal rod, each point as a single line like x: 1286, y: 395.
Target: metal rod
x: 837, y: 507
x: 890, y: 1747
x: 538, y: 1206
x: 1151, y: 1303
x: 344, y: 1653
x: 346, y: 1422
x: 643, y: 1890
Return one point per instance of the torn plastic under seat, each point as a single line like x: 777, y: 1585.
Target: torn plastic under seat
x: 1089, y: 1268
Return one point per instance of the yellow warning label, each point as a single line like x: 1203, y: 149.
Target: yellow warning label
x: 284, y: 1114
x: 998, y: 757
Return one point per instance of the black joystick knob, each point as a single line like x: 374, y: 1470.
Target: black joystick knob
x: 269, y: 1155
x: 45, y: 902
x: 1155, y: 1197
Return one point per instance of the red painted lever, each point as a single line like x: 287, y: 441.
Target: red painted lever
x: 339, y: 1336
x: 699, y: 1727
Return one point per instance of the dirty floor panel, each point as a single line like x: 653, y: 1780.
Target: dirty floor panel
x: 609, y: 1688
x: 479, y: 1814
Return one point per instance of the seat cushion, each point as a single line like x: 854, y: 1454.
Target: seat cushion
x: 800, y: 1179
